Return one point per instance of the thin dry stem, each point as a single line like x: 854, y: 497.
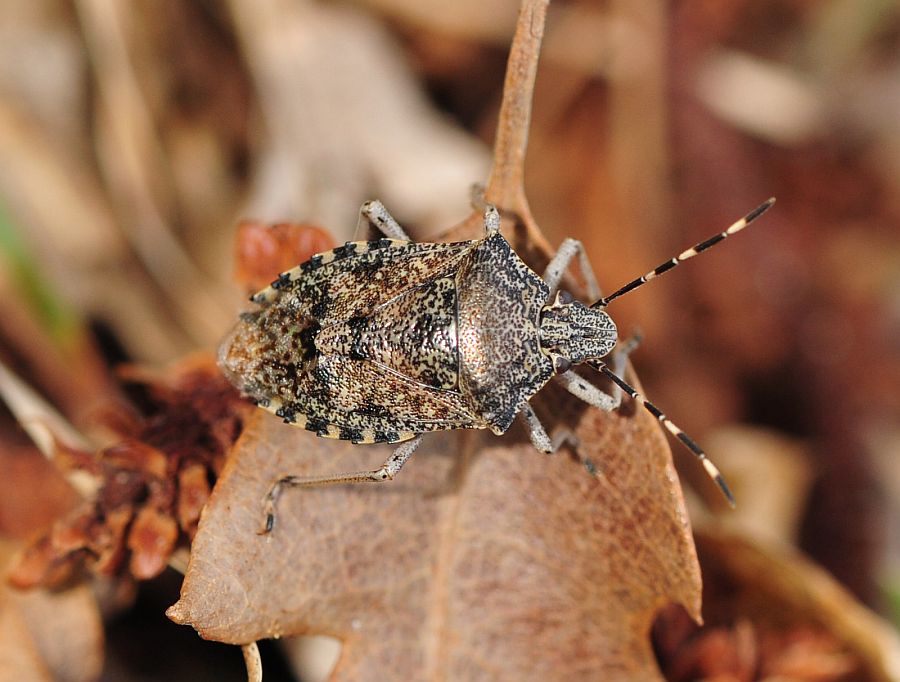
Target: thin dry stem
x: 253, y: 662
x: 505, y: 187
x: 506, y: 184
x: 45, y: 425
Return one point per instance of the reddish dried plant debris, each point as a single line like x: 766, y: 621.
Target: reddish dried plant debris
x: 151, y: 541
x: 749, y: 650
x: 262, y: 251
x: 193, y: 492
x: 155, y: 481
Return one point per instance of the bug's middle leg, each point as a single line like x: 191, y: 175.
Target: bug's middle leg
x: 538, y: 434
x: 387, y: 471
x: 586, y: 391
x: 374, y: 214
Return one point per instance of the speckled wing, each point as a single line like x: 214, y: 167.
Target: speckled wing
x: 414, y: 334
x: 328, y: 350
x: 353, y: 279
x: 365, y: 402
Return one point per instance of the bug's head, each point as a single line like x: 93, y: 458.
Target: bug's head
x: 572, y: 333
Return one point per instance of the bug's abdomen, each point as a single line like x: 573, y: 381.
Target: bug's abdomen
x: 414, y: 334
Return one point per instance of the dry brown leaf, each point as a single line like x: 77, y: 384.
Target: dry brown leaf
x: 504, y: 564
x: 484, y: 560
x: 750, y: 651
x: 151, y: 541
x: 67, y: 629
x: 324, y: 151
x: 32, y: 492
x: 803, y: 624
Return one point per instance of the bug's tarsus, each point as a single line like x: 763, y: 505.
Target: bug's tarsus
x: 711, y: 469
x: 698, y: 248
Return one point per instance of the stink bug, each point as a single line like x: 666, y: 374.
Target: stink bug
x: 383, y: 341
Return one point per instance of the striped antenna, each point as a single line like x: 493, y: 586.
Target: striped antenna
x: 689, y: 253
x: 711, y: 469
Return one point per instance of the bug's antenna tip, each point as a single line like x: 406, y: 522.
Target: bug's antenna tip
x: 759, y: 210
x: 716, y: 475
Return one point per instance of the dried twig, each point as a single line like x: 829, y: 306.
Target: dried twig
x: 505, y: 187
x: 45, y: 425
x: 253, y: 662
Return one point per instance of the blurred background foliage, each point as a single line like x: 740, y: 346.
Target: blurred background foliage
x: 135, y: 135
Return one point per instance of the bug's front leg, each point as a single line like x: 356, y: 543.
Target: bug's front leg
x: 568, y: 251
x: 387, y: 471
x: 374, y: 214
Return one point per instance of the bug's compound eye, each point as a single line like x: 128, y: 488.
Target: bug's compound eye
x: 562, y: 364
x: 564, y: 297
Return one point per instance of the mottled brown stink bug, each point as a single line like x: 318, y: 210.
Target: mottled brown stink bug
x: 382, y: 341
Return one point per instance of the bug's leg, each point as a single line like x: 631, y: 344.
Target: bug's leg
x: 556, y: 268
x: 477, y: 199
x: 538, y: 434
x: 374, y: 214
x: 584, y: 390
x: 549, y: 445
x: 491, y: 219
x: 387, y: 471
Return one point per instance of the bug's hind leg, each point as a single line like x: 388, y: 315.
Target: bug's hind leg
x: 374, y: 214
x: 568, y: 251
x: 387, y: 471
x: 584, y: 390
